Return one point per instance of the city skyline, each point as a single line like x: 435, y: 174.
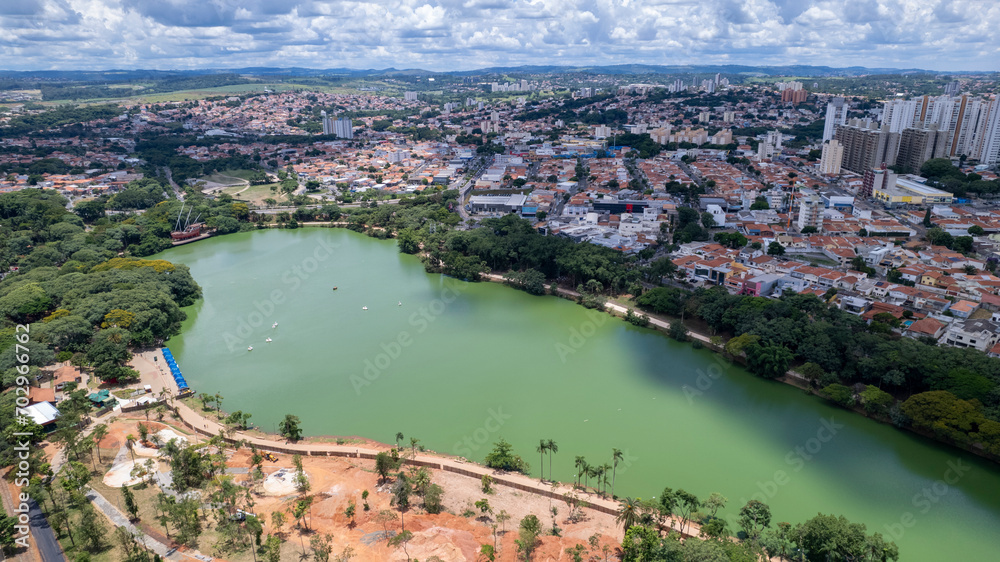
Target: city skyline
x: 471, y: 34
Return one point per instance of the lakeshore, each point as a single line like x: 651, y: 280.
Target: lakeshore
x: 684, y: 416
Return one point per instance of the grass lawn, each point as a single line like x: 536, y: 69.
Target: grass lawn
x: 256, y: 194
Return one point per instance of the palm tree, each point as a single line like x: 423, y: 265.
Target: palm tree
x: 399, y: 437
x: 553, y: 448
x: 616, y: 455
x: 605, y: 469
x: 542, y: 447
x: 413, y: 446
x: 100, y: 432
x: 628, y: 513
x: 130, y: 441
x: 579, y: 464
x: 588, y: 471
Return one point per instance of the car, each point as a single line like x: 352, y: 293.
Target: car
x: 270, y: 457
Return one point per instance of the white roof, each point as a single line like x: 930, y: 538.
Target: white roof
x: 42, y: 412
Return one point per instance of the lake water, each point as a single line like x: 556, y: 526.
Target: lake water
x: 459, y: 365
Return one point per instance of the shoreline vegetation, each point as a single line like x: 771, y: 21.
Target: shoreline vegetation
x: 652, y: 529
x: 74, y: 281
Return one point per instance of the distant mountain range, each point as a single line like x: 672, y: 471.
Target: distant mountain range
x: 621, y: 69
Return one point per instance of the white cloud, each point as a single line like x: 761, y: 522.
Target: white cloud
x: 465, y: 34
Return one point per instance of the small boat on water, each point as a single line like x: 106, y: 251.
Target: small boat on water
x: 400, y: 303
x: 364, y: 308
x: 334, y: 288
x: 268, y: 340
x: 249, y: 348
x: 275, y: 325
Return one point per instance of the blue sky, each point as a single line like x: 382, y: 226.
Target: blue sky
x: 469, y: 34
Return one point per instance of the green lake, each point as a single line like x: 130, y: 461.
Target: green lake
x: 459, y: 365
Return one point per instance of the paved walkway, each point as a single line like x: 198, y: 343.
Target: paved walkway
x: 154, y: 376
x: 617, y: 308
x: 120, y: 520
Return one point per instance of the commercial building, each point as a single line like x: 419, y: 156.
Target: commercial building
x: 497, y: 203
x: 909, y: 192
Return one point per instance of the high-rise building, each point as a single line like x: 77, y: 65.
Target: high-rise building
x: 898, y: 115
x: 795, y: 86
x: 952, y: 88
x: 863, y: 146
x: 989, y: 151
x: 833, y: 157
x: 876, y: 179
x: 917, y: 146
x: 764, y: 150
x: 343, y: 128
x: 410, y: 96
x: 327, y: 123
x: 728, y: 116
x: 794, y: 96
x: 836, y: 114
x: 775, y: 137
x: 810, y: 212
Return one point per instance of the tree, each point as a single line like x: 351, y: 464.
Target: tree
x: 542, y: 447
x: 809, y: 230
x: 754, y: 517
x: 976, y: 230
x: 91, y: 529
x: 628, y: 513
x: 775, y: 249
x: 528, y: 532
x: 349, y: 512
x: 616, y: 456
x: 927, y: 219
x: 760, y: 204
x: 826, y: 537
x: 98, y: 434
x: 272, y: 549
x: 501, y: 458
x: 7, y: 533
x: 769, y: 361
x: 708, y: 220
x: 714, y: 503
x: 289, y: 428
x: 131, y: 507
x: 321, y: 549
x: 687, y: 503
x: 384, y: 464
x: 552, y: 448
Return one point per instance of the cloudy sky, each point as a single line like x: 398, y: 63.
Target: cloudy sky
x: 469, y: 34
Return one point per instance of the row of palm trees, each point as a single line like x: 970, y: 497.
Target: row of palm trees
x: 584, y: 470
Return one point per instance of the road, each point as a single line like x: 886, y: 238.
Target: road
x: 44, y: 536
x: 581, y: 183
x: 464, y: 186
x: 178, y: 192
